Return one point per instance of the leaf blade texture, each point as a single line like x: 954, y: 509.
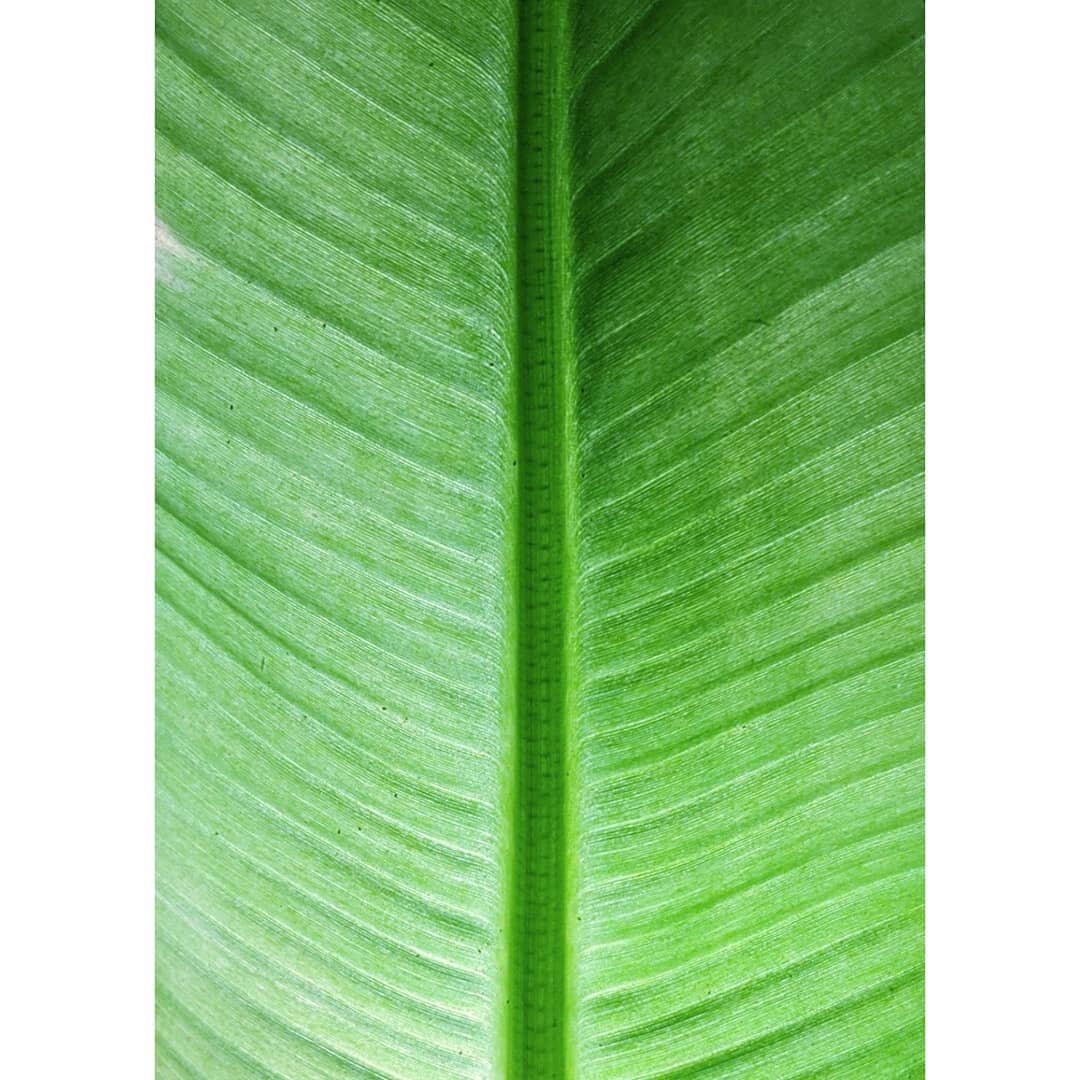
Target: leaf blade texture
x: 539, y: 539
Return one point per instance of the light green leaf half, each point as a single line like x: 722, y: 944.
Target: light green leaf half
x: 540, y: 539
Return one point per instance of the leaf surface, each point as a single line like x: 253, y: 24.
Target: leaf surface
x: 539, y: 539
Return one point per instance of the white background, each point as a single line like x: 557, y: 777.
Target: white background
x: 76, y: 501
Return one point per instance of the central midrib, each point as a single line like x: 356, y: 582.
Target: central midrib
x: 539, y: 959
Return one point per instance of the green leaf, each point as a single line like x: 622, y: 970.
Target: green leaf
x: 540, y: 539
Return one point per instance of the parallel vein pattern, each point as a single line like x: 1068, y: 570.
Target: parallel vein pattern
x: 539, y: 539
x: 335, y: 528
x: 748, y: 294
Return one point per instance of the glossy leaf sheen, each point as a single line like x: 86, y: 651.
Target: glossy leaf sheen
x: 539, y: 539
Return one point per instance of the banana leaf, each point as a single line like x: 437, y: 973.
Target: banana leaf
x: 539, y: 450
